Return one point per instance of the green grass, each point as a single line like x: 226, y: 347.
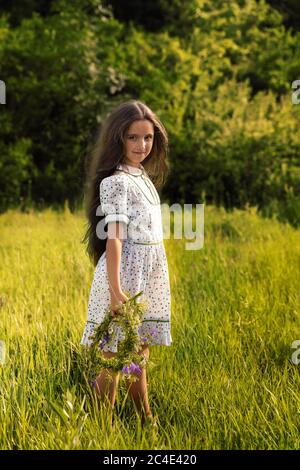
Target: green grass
x: 227, y: 382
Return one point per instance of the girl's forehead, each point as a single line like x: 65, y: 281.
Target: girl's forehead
x: 141, y: 126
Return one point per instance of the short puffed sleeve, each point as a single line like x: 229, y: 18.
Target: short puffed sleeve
x: 113, y: 199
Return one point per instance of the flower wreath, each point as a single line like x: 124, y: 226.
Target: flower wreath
x: 127, y: 360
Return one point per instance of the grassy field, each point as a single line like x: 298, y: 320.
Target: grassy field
x: 227, y: 381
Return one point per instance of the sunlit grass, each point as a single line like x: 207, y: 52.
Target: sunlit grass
x: 227, y: 382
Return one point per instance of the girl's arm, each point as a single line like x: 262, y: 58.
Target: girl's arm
x: 113, y: 263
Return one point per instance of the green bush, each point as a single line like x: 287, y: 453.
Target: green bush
x: 219, y: 76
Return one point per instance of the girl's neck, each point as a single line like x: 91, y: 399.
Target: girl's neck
x: 133, y: 169
x: 138, y: 166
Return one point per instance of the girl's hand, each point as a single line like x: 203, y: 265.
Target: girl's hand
x: 116, y: 302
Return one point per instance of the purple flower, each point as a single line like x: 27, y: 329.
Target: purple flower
x: 145, y: 339
x: 125, y: 370
x: 93, y: 384
x: 135, y: 369
x: 104, y: 341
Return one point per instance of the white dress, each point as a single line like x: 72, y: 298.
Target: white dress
x: 129, y: 196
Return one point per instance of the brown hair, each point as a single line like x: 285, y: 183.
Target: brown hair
x: 108, y: 151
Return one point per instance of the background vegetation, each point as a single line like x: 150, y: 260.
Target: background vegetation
x: 218, y: 73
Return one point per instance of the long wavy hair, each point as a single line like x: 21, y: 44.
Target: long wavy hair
x: 105, y: 155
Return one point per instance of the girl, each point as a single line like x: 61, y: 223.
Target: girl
x: 129, y: 162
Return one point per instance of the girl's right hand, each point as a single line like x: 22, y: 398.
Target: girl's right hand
x: 116, y: 301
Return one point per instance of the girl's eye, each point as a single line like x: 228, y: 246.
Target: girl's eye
x: 131, y: 137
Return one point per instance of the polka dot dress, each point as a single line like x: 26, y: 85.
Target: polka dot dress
x: 130, y: 197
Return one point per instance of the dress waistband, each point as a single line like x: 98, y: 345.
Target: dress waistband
x: 142, y: 243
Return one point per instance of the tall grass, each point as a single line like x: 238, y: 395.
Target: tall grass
x: 227, y: 381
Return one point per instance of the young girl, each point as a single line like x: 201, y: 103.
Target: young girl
x: 129, y: 162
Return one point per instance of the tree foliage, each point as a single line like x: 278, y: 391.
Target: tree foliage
x: 218, y: 73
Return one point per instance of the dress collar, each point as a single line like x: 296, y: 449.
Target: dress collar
x: 132, y: 170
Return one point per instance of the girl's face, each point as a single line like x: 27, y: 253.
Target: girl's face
x: 138, y: 142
